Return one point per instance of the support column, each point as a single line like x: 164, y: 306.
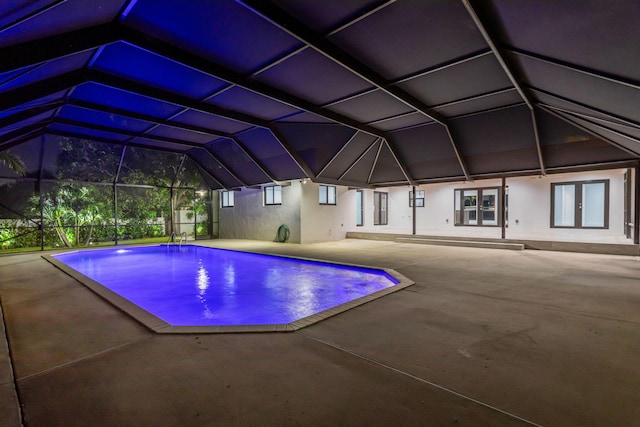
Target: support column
x: 413, y: 196
x: 503, y: 203
x: 636, y: 206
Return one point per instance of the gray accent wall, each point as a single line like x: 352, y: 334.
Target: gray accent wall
x: 251, y: 219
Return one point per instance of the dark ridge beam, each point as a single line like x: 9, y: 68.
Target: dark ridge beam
x: 634, y: 84
x: 587, y: 130
x: 224, y: 166
x: 592, y: 122
x: 110, y: 141
x: 360, y: 157
x: 172, y: 98
x: 285, y: 22
x: 375, y: 161
x: 254, y: 159
x: 507, y: 69
x: 592, y: 119
x: 18, y: 133
x: 206, y: 170
x: 395, y: 154
x: 27, y: 114
x: 163, y: 49
x: 43, y: 88
x: 52, y: 47
x: 613, y: 117
x: 474, y: 98
x: 31, y: 15
x: 22, y: 135
x: 25, y: 138
x: 337, y: 154
x: 293, y: 154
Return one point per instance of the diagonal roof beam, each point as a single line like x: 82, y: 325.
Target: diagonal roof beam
x: 52, y: 47
x: 496, y: 52
x: 299, y: 161
x: 564, y: 118
x: 183, y: 101
x: 291, y: 26
x: 166, y: 50
x: 395, y: 154
x: 360, y: 157
x: 170, y: 123
x: 338, y: 153
x: 43, y: 88
x: 29, y: 113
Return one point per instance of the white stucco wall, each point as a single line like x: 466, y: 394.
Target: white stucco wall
x: 530, y: 205
x: 250, y: 219
x: 308, y: 221
x: 320, y: 223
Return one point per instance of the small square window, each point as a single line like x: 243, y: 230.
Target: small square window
x: 419, y: 198
x: 226, y: 199
x: 273, y: 195
x: 327, y: 195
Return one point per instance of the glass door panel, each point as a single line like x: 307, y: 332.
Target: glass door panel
x: 564, y: 205
x: 593, y: 204
x: 470, y: 203
x: 490, y: 207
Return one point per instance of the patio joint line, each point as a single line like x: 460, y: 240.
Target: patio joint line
x: 81, y: 359
x: 14, y: 379
x: 422, y: 380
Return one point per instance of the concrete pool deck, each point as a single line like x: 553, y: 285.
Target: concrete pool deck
x: 485, y: 337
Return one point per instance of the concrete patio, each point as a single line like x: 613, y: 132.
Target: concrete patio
x: 486, y: 337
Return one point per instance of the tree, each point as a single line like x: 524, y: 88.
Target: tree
x: 12, y: 161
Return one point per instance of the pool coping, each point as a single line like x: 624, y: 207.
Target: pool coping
x: 160, y: 326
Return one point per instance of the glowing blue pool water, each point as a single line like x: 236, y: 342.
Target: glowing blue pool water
x: 198, y: 286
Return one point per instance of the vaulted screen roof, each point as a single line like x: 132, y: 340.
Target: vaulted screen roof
x: 353, y: 92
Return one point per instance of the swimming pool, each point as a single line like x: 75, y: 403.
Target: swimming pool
x: 188, y: 288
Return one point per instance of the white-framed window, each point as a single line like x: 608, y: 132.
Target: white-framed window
x: 226, y: 199
x: 327, y: 195
x: 477, y: 206
x: 581, y: 204
x: 380, y: 208
x: 273, y: 195
x: 419, y: 198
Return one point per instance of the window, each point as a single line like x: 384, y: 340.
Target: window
x: 327, y: 195
x: 273, y: 195
x: 419, y: 198
x: 380, y: 205
x: 359, y: 209
x: 477, y: 206
x: 226, y: 199
x: 580, y: 204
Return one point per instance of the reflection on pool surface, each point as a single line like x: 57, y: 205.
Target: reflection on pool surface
x: 197, y: 286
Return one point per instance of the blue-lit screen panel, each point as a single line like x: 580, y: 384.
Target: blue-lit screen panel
x: 154, y: 70
x: 243, y: 44
x: 263, y: 145
x: 128, y: 101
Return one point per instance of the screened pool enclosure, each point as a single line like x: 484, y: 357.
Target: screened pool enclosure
x: 76, y: 192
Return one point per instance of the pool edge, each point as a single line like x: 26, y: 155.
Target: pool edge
x: 157, y: 325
